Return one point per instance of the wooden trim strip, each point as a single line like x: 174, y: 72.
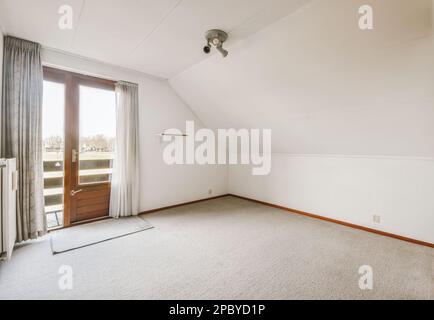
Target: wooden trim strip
x: 182, y: 204
x: 73, y: 224
x: 58, y: 75
x: 347, y: 224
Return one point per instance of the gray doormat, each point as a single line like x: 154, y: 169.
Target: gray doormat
x: 96, y: 232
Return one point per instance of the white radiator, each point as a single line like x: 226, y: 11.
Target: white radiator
x: 8, y: 191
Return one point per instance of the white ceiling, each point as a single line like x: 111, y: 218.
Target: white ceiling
x: 320, y: 83
x: 158, y: 37
x: 324, y: 86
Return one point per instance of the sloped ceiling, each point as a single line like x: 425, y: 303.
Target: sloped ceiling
x: 302, y: 68
x: 158, y: 37
x: 324, y: 86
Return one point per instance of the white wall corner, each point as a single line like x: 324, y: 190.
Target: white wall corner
x: 432, y: 15
x: 2, y: 28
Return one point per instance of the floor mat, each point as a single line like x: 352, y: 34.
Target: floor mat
x: 96, y: 232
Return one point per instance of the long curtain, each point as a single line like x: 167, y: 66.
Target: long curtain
x: 124, y: 199
x: 21, y: 131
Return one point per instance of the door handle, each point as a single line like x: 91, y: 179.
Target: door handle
x: 74, y: 192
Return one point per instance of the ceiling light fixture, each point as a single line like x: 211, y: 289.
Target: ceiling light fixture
x: 215, y: 38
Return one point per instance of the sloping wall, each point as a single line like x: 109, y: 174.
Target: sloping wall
x: 323, y: 85
x: 351, y: 111
x: 160, y: 109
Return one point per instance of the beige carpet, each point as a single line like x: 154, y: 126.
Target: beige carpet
x: 226, y: 248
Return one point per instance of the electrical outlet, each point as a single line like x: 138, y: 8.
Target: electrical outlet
x: 376, y: 218
x: 210, y: 191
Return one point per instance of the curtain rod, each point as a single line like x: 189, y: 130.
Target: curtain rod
x: 127, y: 82
x: 96, y: 61
x: 85, y: 73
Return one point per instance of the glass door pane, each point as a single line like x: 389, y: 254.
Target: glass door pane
x: 97, y: 126
x: 53, y: 151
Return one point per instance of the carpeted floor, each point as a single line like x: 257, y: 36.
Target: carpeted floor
x: 226, y: 248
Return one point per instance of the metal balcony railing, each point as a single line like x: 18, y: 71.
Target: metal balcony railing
x: 91, y: 171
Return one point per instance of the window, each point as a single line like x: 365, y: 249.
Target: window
x: 79, y: 130
x: 97, y: 134
x: 53, y: 135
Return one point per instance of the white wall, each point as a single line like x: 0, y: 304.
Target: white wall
x: 325, y: 88
x: 1, y: 61
x: 160, y: 109
x: 350, y: 189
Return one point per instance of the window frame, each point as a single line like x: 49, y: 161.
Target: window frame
x: 71, y: 179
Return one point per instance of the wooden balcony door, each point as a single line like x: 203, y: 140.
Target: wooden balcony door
x: 90, y: 130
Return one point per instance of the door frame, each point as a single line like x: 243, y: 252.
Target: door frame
x: 72, y: 81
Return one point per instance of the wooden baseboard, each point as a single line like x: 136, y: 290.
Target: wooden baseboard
x: 183, y: 204
x: 355, y: 226
x: 74, y: 224
x: 311, y: 215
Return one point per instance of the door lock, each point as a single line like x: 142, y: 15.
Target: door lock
x: 74, y: 156
x: 74, y: 192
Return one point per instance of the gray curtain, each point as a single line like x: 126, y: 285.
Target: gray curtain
x: 21, y: 131
x: 124, y: 198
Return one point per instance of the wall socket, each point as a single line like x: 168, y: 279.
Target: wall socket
x: 376, y: 218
